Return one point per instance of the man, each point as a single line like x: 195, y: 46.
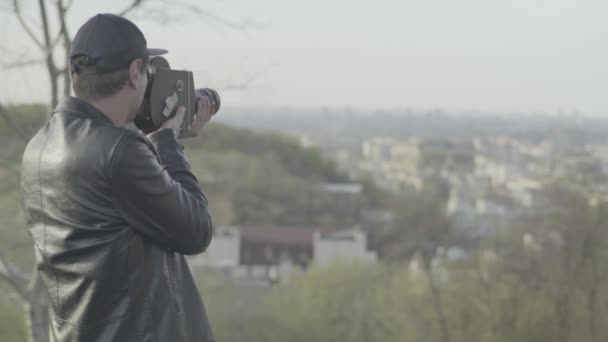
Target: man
x: 111, y: 212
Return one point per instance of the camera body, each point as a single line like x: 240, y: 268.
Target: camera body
x: 167, y: 90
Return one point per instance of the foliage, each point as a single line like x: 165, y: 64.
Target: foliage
x: 12, y: 327
x: 542, y: 280
x: 248, y: 177
x: 513, y: 288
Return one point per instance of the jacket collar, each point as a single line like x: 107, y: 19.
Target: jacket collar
x: 81, y: 108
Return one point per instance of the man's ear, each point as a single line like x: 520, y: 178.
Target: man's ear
x: 135, y: 74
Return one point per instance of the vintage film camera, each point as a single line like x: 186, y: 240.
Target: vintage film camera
x: 168, y: 90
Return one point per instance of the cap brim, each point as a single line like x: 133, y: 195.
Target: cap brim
x: 157, y: 52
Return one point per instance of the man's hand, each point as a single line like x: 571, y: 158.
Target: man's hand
x: 175, y: 122
x: 201, y: 117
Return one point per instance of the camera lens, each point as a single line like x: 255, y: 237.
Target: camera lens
x: 213, y: 96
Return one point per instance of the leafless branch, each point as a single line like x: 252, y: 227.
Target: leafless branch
x: 50, y: 62
x: 244, y: 25
x: 67, y: 44
x: 22, y: 63
x: 55, y: 41
x: 45, y: 26
x: 9, y: 121
x: 68, y: 5
x: 62, y: 10
x: 244, y: 85
x: 14, y: 276
x: 26, y: 27
x: 131, y: 7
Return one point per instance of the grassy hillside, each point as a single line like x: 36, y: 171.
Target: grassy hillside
x: 249, y: 177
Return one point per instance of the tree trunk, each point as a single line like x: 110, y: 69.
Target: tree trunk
x: 48, y: 53
x: 32, y: 293
x: 13, y: 125
x: 67, y: 47
x: 437, y: 304
x: 592, y: 301
x: 562, y: 310
x: 492, y: 317
x: 36, y: 311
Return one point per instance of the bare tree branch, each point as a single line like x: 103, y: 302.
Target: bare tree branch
x: 244, y: 85
x: 14, y: 60
x: 14, y: 276
x: 55, y: 41
x: 21, y: 63
x: 45, y: 25
x: 132, y: 6
x: 67, y: 44
x: 9, y: 121
x: 155, y: 14
x: 62, y: 10
x: 246, y: 24
x: 26, y: 27
x: 38, y: 316
x: 50, y: 62
x: 68, y: 5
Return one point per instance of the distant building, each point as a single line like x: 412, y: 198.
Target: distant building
x: 346, y: 245
x: 393, y: 163
x: 224, y: 252
x: 273, y: 253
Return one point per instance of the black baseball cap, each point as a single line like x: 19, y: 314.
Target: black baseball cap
x: 112, y: 41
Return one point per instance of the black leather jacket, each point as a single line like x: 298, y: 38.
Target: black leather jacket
x: 112, y: 215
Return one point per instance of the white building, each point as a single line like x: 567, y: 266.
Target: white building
x: 224, y: 250
x: 346, y: 245
x: 274, y: 253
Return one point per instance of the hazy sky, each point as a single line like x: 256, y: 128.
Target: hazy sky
x: 512, y: 55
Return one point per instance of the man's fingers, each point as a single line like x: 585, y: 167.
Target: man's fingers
x: 180, y: 112
x: 176, y: 121
x: 179, y: 115
x: 202, y: 114
x: 205, y: 105
x: 201, y: 117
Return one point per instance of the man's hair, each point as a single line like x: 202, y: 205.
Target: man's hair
x: 87, y: 84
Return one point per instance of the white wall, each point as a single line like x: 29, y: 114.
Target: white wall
x: 348, y: 245
x: 224, y: 250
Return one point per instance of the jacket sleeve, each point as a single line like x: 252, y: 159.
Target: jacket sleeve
x: 157, y: 193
